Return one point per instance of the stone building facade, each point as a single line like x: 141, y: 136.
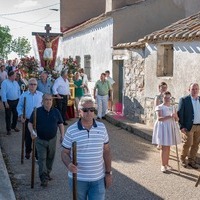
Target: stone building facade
x: 170, y: 55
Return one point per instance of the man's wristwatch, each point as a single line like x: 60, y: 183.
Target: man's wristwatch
x: 108, y: 173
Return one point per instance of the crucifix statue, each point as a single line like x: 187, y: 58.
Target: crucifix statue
x: 46, y: 46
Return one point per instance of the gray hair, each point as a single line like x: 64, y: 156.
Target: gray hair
x: 64, y: 71
x: 46, y: 95
x: 31, y: 80
x: 84, y: 100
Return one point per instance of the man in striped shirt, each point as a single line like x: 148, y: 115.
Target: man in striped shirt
x: 93, y: 168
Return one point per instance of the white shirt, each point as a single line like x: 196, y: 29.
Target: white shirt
x: 110, y: 80
x: 3, y: 76
x: 196, y: 108
x: 85, y: 79
x: 61, y: 86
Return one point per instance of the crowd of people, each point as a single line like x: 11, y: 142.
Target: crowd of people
x: 166, y: 131
x: 49, y: 100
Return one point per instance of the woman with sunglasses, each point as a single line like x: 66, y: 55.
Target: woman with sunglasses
x: 165, y: 131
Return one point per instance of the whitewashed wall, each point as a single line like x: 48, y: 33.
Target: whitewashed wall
x: 96, y: 41
x: 185, y: 71
x: 140, y: 93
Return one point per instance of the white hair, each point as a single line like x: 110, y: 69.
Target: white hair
x: 84, y: 100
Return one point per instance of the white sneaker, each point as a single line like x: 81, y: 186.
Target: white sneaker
x: 159, y: 147
x: 167, y: 167
x: 163, y: 169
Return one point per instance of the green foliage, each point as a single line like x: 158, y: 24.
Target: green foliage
x: 5, y: 41
x: 21, y: 46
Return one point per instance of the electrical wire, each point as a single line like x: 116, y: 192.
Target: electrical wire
x: 27, y: 11
x: 29, y: 23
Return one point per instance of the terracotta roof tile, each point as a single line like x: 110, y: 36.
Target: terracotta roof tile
x: 186, y: 29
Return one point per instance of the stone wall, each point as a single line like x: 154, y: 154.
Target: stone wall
x: 134, y: 100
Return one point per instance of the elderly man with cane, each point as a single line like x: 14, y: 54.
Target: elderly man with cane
x: 93, y: 167
x: 33, y: 99
x: 48, y: 119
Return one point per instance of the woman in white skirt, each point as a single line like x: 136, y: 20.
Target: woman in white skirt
x: 166, y: 132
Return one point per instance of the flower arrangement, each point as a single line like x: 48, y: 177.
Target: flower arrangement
x: 55, y: 74
x: 28, y: 66
x: 71, y: 64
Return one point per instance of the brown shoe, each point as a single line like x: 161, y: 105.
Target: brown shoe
x: 16, y: 129
x: 193, y: 165
x: 8, y: 132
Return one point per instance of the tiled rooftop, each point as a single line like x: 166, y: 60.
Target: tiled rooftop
x: 187, y: 29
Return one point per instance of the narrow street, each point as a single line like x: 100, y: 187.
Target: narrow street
x: 136, y: 171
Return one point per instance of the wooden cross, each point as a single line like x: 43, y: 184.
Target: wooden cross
x: 47, y: 28
x: 47, y: 33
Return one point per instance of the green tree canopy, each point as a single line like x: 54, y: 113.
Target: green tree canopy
x: 5, y: 41
x: 21, y: 46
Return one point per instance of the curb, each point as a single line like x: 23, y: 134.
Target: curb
x: 138, y: 129
x: 6, y: 190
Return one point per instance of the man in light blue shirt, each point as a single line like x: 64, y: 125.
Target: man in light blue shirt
x: 44, y: 85
x: 33, y: 99
x: 10, y: 92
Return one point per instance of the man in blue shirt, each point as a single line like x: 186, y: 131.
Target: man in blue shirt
x: 10, y: 92
x: 48, y: 119
x: 33, y: 99
x: 44, y: 85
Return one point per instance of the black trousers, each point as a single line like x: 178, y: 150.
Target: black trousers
x: 11, y: 112
x: 28, y: 140
x: 62, y: 106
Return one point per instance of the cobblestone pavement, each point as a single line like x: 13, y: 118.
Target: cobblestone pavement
x: 136, y: 171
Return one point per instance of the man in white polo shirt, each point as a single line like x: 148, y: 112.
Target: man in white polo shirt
x: 94, y: 173
x: 62, y: 92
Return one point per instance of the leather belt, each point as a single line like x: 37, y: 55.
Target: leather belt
x: 196, y: 124
x: 62, y: 95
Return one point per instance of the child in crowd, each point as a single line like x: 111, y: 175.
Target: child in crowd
x: 159, y: 100
x: 166, y: 132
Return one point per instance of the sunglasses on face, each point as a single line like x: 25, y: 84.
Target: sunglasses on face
x: 32, y: 84
x: 88, y: 109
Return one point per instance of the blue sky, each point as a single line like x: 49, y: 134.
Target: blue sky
x: 22, y: 21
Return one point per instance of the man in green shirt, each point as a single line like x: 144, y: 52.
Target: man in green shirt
x: 101, y: 90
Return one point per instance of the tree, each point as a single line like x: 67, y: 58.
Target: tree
x: 5, y: 41
x: 21, y: 46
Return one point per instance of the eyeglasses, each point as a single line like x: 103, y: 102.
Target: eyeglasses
x: 32, y: 84
x: 92, y: 109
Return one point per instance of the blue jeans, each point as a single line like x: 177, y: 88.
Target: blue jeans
x: 90, y: 190
x: 102, y: 105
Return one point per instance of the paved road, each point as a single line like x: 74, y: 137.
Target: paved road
x: 136, y: 171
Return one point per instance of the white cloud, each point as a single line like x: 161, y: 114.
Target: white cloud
x: 26, y: 4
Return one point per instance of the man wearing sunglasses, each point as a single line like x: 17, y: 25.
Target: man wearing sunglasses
x: 33, y: 99
x: 93, y: 168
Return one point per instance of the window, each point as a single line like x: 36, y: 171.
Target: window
x: 165, y: 60
x: 78, y: 60
x: 87, y: 66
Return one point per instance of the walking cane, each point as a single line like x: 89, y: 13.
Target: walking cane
x: 23, y: 131
x: 33, y: 150
x: 74, y: 161
x: 177, y: 156
x: 198, y: 180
